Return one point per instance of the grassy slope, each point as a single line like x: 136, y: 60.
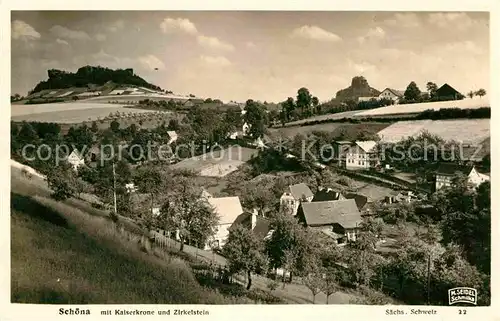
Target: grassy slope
x: 53, y: 241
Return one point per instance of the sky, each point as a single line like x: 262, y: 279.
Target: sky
x: 267, y: 56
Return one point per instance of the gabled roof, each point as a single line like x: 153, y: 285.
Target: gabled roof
x: 76, y: 153
x: 172, y: 134
x: 360, y: 200
x: 446, y: 90
x: 367, y: 145
x: 343, y: 212
x: 398, y: 93
x: 300, y: 190
x: 327, y: 194
x: 228, y: 208
x: 449, y: 169
x: 262, y: 226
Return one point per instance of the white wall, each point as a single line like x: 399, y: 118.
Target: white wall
x: 357, y: 161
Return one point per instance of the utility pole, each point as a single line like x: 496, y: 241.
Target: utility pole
x: 428, y: 279
x: 114, y: 187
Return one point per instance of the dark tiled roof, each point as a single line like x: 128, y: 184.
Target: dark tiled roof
x: 446, y: 90
x: 360, y: 200
x: 399, y: 93
x: 343, y: 212
x: 262, y: 226
x: 452, y: 169
x: 327, y: 194
x: 300, y: 190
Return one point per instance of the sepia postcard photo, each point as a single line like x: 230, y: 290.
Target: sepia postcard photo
x: 250, y: 157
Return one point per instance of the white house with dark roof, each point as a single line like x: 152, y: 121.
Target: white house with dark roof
x: 172, y: 136
x: 361, y: 155
x: 447, y: 171
x: 391, y: 94
x: 228, y: 209
x: 295, y: 194
x: 341, y: 218
x: 76, y: 159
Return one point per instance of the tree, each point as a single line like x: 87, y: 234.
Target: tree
x: 412, y: 92
x: 304, y: 100
x: 330, y: 283
x: 314, y: 282
x: 256, y: 118
x: 315, y: 104
x: 114, y: 126
x: 150, y: 181
x: 63, y: 182
x: 431, y: 89
x: 255, y: 196
x: 187, y: 212
x: 467, y: 220
x: 173, y: 124
x: 94, y: 127
x: 481, y: 92
x: 288, y: 107
x: 244, y: 252
x: 291, y: 246
x: 27, y: 134
x: 471, y: 94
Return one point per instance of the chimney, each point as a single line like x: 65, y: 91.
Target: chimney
x: 254, y: 218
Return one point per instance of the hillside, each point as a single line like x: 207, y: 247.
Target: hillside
x: 359, y: 88
x: 63, y: 255
x: 91, y: 77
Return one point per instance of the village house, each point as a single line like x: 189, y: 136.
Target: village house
x: 362, y: 155
x: 189, y: 103
x: 228, y: 209
x: 391, y: 94
x: 447, y: 171
x: 340, y: 219
x: 295, y: 194
x: 340, y: 149
x: 446, y: 92
x: 245, y: 129
x: 260, y: 226
x: 75, y: 159
x: 172, y: 136
x: 400, y: 197
x: 328, y: 194
x: 130, y: 188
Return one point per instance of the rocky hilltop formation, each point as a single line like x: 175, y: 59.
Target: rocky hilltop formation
x: 90, y: 75
x: 359, y: 88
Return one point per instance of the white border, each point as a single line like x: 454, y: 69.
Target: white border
x: 289, y: 312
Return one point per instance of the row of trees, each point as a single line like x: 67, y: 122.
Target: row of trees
x: 305, y: 105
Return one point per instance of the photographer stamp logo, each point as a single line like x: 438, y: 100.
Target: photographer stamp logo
x: 462, y: 295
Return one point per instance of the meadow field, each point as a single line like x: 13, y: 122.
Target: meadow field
x: 349, y: 130
x: 218, y: 163
x: 71, y: 113
x: 420, y: 107
x: 468, y: 131
x: 346, y: 114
